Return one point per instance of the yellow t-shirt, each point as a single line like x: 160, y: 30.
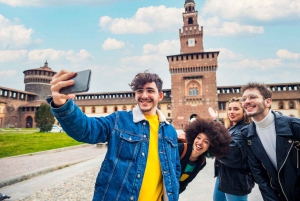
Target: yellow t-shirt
x: 152, y: 184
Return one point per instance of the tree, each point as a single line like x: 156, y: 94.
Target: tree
x: 44, y: 118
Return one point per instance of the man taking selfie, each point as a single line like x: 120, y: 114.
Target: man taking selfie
x: 142, y: 160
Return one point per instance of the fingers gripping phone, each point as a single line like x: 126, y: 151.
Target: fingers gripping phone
x: 81, y: 83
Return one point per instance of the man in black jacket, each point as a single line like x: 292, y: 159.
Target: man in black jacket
x: 273, y: 146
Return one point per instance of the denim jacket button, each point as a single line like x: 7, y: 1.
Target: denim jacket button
x: 138, y: 176
x: 131, y: 198
x: 144, y: 123
x: 143, y: 154
x: 145, y: 136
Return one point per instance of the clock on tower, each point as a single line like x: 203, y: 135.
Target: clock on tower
x: 191, y: 42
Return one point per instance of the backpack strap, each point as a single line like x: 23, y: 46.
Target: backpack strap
x: 184, y: 150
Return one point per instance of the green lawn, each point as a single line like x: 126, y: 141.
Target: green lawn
x: 14, y: 143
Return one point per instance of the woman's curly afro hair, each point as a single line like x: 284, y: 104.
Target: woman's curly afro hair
x: 215, y: 131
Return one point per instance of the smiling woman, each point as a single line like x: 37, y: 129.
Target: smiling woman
x: 205, y: 138
x: 234, y: 163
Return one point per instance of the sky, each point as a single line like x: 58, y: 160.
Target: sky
x: 258, y: 40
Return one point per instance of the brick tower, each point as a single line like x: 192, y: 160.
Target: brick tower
x: 193, y: 72
x: 38, y: 81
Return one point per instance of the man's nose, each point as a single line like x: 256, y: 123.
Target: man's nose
x: 144, y: 94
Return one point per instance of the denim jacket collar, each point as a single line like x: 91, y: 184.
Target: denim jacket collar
x: 139, y: 116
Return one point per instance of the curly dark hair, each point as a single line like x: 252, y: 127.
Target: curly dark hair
x: 215, y: 131
x: 143, y: 78
x: 262, y: 88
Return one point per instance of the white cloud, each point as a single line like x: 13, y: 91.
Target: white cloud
x: 166, y: 47
x: 14, y: 35
x: 38, y: 3
x: 112, y: 44
x: 48, y: 54
x: 145, y: 20
x: 8, y: 73
x: 12, y: 55
x: 226, y: 54
x: 80, y: 57
x: 215, y: 27
x: 252, y: 64
x: 266, y: 10
x: 144, y: 60
x: 285, y: 54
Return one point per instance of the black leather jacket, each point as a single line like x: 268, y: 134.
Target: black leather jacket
x: 282, y: 184
x: 232, y: 170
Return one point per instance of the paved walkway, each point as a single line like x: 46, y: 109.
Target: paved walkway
x: 76, y: 182
x: 16, y: 169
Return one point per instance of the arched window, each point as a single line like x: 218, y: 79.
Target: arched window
x: 124, y: 107
x: 104, y: 109
x: 291, y: 105
x: 193, y: 91
x: 93, y: 109
x: 190, y: 20
x: 116, y: 108
x: 83, y: 109
x: 280, y: 105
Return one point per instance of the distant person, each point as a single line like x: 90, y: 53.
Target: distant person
x: 273, y: 145
x: 142, y: 161
x: 205, y: 138
x: 234, y: 180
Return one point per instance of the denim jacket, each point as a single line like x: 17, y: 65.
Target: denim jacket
x: 127, y: 134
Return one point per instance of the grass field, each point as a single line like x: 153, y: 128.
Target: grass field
x: 13, y: 143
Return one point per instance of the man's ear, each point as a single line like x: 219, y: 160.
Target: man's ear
x: 268, y: 102
x: 160, y: 96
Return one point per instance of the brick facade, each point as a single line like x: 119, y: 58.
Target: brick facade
x: 193, y: 72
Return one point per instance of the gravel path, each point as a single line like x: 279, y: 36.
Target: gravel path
x: 78, y: 188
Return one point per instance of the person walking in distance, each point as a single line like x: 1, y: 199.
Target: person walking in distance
x: 233, y: 177
x: 142, y: 160
x: 272, y: 145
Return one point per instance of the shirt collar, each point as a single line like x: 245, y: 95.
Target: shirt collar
x: 139, y: 116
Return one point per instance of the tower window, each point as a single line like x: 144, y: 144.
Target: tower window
x: 190, y: 20
x: 193, y: 91
x: 291, y: 105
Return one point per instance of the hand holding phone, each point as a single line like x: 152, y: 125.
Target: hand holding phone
x: 81, y: 83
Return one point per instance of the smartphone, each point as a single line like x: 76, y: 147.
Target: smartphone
x: 81, y: 83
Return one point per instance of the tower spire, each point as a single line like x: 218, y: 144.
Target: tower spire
x: 191, y: 38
